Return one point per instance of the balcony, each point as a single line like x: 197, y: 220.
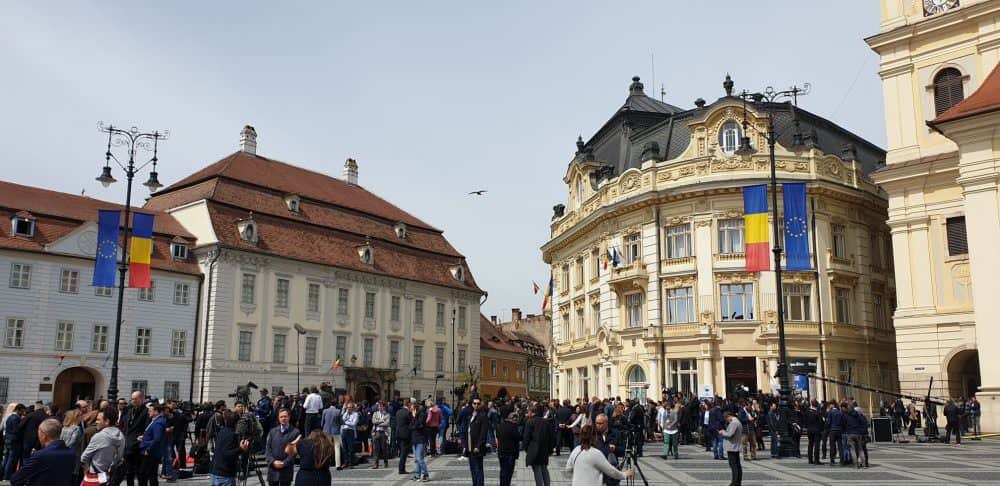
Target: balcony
x: 628, y: 277
x: 730, y: 260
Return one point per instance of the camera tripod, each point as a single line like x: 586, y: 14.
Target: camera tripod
x: 630, y: 459
x: 248, y: 464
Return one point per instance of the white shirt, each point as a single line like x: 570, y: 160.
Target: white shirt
x: 590, y: 466
x: 313, y: 403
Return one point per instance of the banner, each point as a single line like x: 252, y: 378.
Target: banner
x: 796, y: 227
x: 106, y: 258
x: 755, y: 225
x: 140, y: 251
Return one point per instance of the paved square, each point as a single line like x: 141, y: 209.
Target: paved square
x: 972, y: 463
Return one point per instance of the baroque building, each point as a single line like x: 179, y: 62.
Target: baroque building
x: 942, y: 92
x: 59, y: 330
x: 534, y: 334
x: 310, y: 279
x: 504, y: 364
x: 648, y: 261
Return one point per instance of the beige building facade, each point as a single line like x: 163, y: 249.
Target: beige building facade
x: 661, y: 187
x: 941, y: 176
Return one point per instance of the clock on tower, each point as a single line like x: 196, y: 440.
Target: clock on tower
x: 932, y: 7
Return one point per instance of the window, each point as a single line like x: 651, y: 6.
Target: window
x: 506, y: 369
x: 394, y: 354
x: 729, y: 137
x: 461, y: 319
x: 461, y: 359
x: 103, y: 291
x: 20, y: 276
x: 637, y: 384
x: 569, y: 383
x: 633, y: 310
x: 64, y: 336
x: 341, y: 347
x: 148, y: 294
x: 24, y: 227
x: 730, y: 236
x: 493, y: 368
x: 312, y: 298
x: 4, y: 388
x: 369, y: 305
x: 249, y: 285
x: 245, y: 345
x: 633, y: 252
x: 684, y: 375
x: 565, y: 278
x: 368, y: 352
x: 143, y: 337
x: 439, y: 319
x: 680, y: 305
x: 278, y: 349
x: 14, y: 334
x: 595, y: 316
x: 418, y: 357
x: 797, y: 301
x: 948, y: 90
x: 580, y: 324
x: 141, y: 386
x: 281, y: 297
x: 957, y: 241
x: 181, y: 293
x: 179, y: 251
x: 843, y: 298
x: 579, y: 192
x: 312, y: 344
x: 171, y: 390
x: 342, y: 300
x: 565, y: 328
x: 595, y: 264
x: 418, y: 312
x: 839, y: 232
x: 69, y: 281
x: 99, y: 339
x: 394, y: 308
x: 736, y: 301
x: 878, y: 309
x: 679, y: 241
x: 439, y: 358
x: 178, y: 344
x: 579, y: 272
x: 845, y: 368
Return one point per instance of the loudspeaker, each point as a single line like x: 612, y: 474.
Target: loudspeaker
x: 882, y: 429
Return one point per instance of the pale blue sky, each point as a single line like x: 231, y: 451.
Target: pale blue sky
x: 434, y: 99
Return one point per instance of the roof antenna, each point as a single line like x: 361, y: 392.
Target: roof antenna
x: 83, y: 192
x: 652, y: 69
x: 663, y: 93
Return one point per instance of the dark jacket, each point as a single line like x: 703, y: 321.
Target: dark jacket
x: 53, y: 465
x: 28, y: 429
x: 417, y: 427
x: 715, y: 419
x: 227, y: 451
x: 134, y: 422
x: 854, y: 423
x: 538, y: 441
x: 835, y: 420
x: 477, y: 433
x: 154, y: 438
x: 509, y: 438
x: 403, y: 419
x: 813, y: 422
x: 952, y: 413
x: 274, y: 450
x: 563, y: 415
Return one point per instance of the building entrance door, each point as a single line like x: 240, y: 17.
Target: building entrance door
x: 741, y: 374
x: 71, y: 385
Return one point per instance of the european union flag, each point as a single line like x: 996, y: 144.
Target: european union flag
x: 106, y: 259
x: 796, y: 227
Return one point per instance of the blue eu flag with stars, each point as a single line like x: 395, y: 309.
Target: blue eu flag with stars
x: 796, y: 227
x: 106, y: 259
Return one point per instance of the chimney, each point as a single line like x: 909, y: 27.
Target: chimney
x: 493, y: 319
x: 351, y: 172
x: 515, y: 314
x: 248, y: 140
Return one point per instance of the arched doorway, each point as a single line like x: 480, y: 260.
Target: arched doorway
x: 368, y: 392
x: 637, y: 383
x: 963, y: 374
x: 73, y: 384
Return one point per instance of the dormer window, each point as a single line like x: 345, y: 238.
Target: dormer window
x: 457, y: 272
x: 400, y: 231
x: 248, y: 229
x: 366, y: 254
x: 179, y: 250
x: 729, y: 137
x: 292, y: 201
x: 23, y: 226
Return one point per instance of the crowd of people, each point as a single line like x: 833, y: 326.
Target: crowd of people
x: 298, y: 438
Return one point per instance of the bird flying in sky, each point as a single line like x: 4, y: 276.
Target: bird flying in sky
x: 478, y: 193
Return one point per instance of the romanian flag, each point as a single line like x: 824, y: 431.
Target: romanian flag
x: 141, y: 251
x: 336, y: 364
x: 535, y: 287
x: 548, y: 296
x: 755, y: 223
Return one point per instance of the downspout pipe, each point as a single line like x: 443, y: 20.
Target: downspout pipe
x: 194, y: 346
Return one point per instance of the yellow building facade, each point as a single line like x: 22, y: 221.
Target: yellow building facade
x: 941, y: 178
x: 659, y: 189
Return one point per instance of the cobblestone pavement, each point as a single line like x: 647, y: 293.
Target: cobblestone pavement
x: 972, y: 463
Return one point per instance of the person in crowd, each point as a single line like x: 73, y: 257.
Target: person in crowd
x: 418, y: 437
x: 402, y: 434
x: 814, y: 427
x: 564, y: 416
x: 730, y: 435
x: 12, y: 439
x: 152, y: 446
x: 835, y: 430
x: 588, y: 465
x: 265, y: 411
x: 28, y: 430
x: 854, y: 426
x: 132, y: 421
x: 476, y: 449
x: 51, y: 464
x: 332, y: 421
x: 72, y: 436
x: 538, y: 443
x: 748, y: 417
x: 380, y: 435
x: 227, y: 452
x: 975, y: 411
x: 577, y: 421
x: 106, y: 449
x: 795, y: 421
x: 313, y: 405
x: 432, y: 424
x: 179, y: 431
x: 348, y: 432
x: 168, y: 451
x: 914, y: 415
x: 464, y: 414
x: 714, y: 425
x: 508, y: 447
x: 279, y: 468
x: 774, y: 423
x: 953, y: 425
x: 315, y: 455
x: 446, y: 412
x: 667, y: 419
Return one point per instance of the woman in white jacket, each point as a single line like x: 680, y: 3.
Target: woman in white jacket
x: 589, y: 465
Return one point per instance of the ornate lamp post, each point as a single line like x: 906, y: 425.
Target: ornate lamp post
x: 132, y: 140
x: 766, y: 101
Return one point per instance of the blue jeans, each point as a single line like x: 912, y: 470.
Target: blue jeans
x: 476, y: 468
x: 775, y: 450
x: 168, y: 462
x: 222, y: 481
x: 717, y: 451
x: 11, y: 460
x: 418, y: 460
x: 440, y: 443
x: 347, y: 436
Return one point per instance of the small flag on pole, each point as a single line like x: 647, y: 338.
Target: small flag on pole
x: 548, y: 296
x: 535, y: 287
x: 337, y: 363
x: 616, y: 258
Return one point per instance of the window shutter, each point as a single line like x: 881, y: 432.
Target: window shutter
x: 948, y: 90
x: 957, y: 242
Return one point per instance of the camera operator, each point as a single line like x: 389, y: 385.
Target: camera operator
x: 247, y: 426
x: 228, y: 449
x: 216, y: 421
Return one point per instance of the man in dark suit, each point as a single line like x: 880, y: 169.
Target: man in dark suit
x: 402, y: 433
x: 52, y: 464
x: 476, y: 448
x: 538, y: 442
x: 279, y: 472
x: 814, y: 427
x: 606, y: 440
x: 28, y: 429
x: 715, y: 424
x: 563, y: 421
x: 133, y: 420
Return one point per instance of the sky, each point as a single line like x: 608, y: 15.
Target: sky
x: 433, y: 99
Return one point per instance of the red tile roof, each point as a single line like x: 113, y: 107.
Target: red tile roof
x: 58, y: 214
x: 493, y: 338
x: 984, y: 100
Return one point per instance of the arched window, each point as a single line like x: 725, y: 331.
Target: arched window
x: 948, y: 90
x: 579, y: 191
x: 637, y: 383
x: 729, y: 137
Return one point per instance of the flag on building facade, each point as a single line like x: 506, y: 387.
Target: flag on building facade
x: 535, y: 287
x: 796, y: 227
x: 337, y: 363
x: 548, y: 296
x: 106, y: 258
x: 140, y: 251
x: 615, y: 258
x: 755, y: 228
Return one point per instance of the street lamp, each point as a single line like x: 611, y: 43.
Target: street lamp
x: 766, y: 101
x: 299, y: 331
x: 132, y: 140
